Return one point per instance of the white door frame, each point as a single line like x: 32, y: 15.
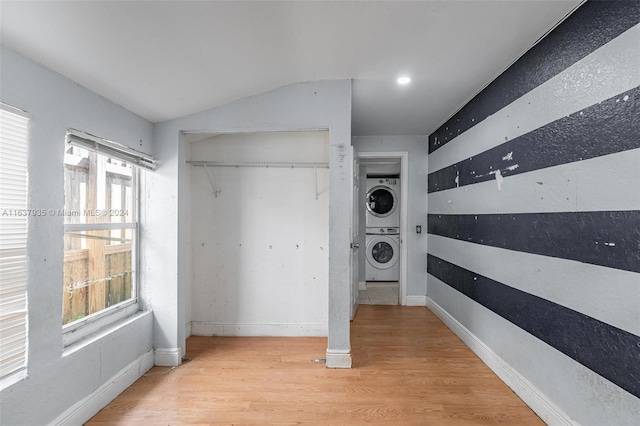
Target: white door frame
x: 355, y: 231
x: 403, y: 156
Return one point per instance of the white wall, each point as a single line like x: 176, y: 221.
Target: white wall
x: 260, y: 246
x: 57, y: 379
x: 299, y: 107
x: 416, y: 146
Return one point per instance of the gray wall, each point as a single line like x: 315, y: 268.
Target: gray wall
x: 57, y: 379
x: 299, y: 107
x: 416, y: 147
x: 534, y: 217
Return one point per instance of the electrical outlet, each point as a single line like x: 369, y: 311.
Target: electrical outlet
x: 418, y: 229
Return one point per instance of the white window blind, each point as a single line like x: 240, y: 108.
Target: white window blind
x: 13, y: 240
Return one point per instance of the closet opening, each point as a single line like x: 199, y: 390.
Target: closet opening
x: 259, y: 234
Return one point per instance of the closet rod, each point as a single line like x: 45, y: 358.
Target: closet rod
x: 267, y: 164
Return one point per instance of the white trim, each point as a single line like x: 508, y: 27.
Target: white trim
x: 362, y: 285
x: 536, y: 400
x: 202, y: 328
x: 403, y: 156
x: 337, y: 358
x: 187, y: 330
x: 415, y: 301
x: 86, y: 408
x: 167, y: 357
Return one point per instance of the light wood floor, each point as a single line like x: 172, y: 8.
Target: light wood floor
x: 408, y: 369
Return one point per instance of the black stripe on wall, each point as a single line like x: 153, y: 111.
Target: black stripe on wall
x: 607, y: 238
x: 604, y: 128
x: 593, y: 25
x: 602, y: 348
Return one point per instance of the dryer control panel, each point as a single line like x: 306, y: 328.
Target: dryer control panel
x: 383, y: 231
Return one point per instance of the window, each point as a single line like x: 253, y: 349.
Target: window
x: 14, y: 216
x: 100, y: 233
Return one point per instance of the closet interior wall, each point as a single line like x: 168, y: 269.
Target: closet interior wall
x: 259, y: 230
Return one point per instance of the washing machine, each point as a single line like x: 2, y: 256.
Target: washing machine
x: 383, y: 256
x: 383, y: 203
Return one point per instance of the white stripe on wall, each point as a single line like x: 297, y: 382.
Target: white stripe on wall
x: 606, y: 294
x: 597, y: 184
x: 583, y: 84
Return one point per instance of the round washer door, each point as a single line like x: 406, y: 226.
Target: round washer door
x: 383, y: 251
x: 381, y: 201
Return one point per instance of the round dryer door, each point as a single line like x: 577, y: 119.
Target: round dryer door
x: 381, y: 201
x: 383, y: 251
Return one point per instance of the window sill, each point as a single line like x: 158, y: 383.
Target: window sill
x: 79, y: 330
x: 95, y: 331
x: 13, y: 378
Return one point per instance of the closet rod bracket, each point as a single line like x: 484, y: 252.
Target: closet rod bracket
x: 216, y: 192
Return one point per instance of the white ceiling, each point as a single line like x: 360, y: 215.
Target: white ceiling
x: 165, y: 59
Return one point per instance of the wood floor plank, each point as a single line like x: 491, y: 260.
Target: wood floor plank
x: 408, y: 369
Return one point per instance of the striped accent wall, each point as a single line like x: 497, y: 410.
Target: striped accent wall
x: 534, y: 215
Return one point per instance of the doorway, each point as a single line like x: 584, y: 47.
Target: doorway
x: 383, y: 227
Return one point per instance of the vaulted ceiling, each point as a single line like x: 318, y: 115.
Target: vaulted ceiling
x: 165, y: 59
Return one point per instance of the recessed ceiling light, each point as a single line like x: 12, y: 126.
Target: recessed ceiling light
x: 403, y: 81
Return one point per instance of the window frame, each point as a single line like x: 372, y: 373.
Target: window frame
x: 82, y: 328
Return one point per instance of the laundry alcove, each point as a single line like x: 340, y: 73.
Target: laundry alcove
x: 259, y: 233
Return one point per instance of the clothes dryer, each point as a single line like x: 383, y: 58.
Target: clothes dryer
x: 383, y: 202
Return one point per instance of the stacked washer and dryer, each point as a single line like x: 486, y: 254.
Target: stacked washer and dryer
x: 383, y: 229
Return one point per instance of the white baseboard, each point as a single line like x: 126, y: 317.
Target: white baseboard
x: 362, y: 285
x: 338, y: 358
x: 86, y: 408
x: 415, y: 301
x: 187, y: 330
x: 274, y: 330
x: 168, y: 357
x: 536, y: 400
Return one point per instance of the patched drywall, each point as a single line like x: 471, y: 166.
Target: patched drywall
x: 260, y: 235
x: 534, y: 217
